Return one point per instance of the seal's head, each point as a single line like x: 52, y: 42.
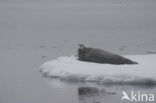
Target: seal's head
x: 81, y: 46
x: 81, y: 51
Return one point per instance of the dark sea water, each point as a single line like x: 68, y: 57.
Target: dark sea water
x: 34, y: 31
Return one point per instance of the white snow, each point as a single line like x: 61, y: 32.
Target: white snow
x: 69, y: 68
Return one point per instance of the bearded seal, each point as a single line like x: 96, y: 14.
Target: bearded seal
x: 101, y: 56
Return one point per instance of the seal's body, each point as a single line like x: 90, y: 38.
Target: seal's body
x: 101, y: 56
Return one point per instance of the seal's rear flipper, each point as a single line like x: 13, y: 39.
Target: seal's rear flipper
x: 128, y: 61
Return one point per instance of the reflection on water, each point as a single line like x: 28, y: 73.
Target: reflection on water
x: 90, y: 92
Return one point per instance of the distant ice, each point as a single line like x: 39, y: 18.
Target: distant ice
x: 151, y: 52
x: 71, y: 69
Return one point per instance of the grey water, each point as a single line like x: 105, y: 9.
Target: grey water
x: 34, y: 31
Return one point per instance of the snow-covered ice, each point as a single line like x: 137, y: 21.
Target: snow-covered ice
x: 69, y: 68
